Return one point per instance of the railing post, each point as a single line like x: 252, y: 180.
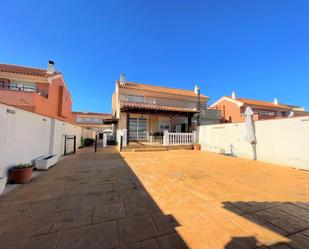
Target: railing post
x: 74, y: 151
x: 165, y: 137
x: 104, y: 140
x: 194, y: 137
x: 95, y: 142
x: 65, y: 145
x: 125, y: 137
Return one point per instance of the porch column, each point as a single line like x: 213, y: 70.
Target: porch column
x: 128, y: 127
x: 189, y: 123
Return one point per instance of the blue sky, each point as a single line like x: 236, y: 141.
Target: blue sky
x: 259, y: 48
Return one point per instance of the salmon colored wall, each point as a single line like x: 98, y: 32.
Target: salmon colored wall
x: 58, y: 105
x: 230, y: 109
x: 43, y: 86
x: 17, y: 98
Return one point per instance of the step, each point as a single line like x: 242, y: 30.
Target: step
x: 156, y: 148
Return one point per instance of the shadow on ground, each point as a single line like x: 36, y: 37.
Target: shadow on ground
x: 289, y: 219
x: 87, y: 201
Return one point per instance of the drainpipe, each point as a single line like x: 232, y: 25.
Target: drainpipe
x: 198, y: 105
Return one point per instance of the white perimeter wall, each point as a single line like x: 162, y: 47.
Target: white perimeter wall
x: 25, y: 136
x: 281, y: 141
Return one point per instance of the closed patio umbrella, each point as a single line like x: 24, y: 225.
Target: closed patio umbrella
x: 250, y: 136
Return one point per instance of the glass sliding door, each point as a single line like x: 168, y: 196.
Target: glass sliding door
x: 138, y: 129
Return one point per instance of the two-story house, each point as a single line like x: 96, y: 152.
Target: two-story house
x: 146, y: 111
x: 99, y: 122
x: 42, y: 91
x: 233, y: 109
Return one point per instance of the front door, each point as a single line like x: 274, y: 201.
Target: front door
x: 138, y: 129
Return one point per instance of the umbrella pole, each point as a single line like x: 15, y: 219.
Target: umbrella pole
x: 254, y: 151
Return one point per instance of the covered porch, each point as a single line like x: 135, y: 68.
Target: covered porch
x: 158, y: 125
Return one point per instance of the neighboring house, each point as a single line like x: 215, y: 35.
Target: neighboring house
x: 146, y: 110
x: 42, y: 91
x: 99, y: 122
x: 233, y: 109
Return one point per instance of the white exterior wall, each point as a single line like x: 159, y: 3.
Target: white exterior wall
x: 281, y: 141
x: 25, y: 136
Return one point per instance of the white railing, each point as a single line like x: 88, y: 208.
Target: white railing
x: 138, y: 99
x: 177, y: 138
x: 159, y: 101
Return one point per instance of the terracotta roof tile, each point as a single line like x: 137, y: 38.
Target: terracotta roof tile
x: 159, y: 108
x: 147, y: 87
x: 107, y: 115
x: 260, y: 103
x: 25, y: 70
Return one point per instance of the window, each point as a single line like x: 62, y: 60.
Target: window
x: 267, y: 113
x: 89, y: 120
x: 18, y: 86
x: 136, y: 98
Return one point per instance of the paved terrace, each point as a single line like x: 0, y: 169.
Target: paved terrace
x: 174, y: 199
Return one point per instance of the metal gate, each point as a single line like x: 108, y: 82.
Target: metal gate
x: 69, y: 144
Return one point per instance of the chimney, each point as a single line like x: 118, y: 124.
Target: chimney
x: 276, y: 101
x: 122, y: 79
x: 233, y: 95
x: 196, y: 89
x: 51, y: 67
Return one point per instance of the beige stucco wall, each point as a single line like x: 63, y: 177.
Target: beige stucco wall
x: 122, y: 123
x: 280, y: 141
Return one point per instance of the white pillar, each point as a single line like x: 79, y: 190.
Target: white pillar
x: 194, y: 137
x: 113, y: 131
x: 165, y: 137
x: 104, y: 140
x: 52, y: 137
x: 124, y: 137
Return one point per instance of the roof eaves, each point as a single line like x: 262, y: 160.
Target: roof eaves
x: 134, y: 86
x: 235, y: 101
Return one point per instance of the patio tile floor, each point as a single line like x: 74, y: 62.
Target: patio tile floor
x: 158, y: 200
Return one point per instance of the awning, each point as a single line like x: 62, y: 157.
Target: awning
x: 159, y: 110
x: 110, y: 120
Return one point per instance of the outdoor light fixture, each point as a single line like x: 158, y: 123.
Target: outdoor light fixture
x: 10, y: 111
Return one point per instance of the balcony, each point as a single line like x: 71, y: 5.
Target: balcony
x: 22, y: 88
x: 22, y: 95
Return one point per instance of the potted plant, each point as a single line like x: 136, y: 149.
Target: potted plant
x: 2, y: 184
x: 196, y: 146
x: 21, y: 173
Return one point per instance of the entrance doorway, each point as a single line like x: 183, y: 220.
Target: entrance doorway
x: 138, y: 129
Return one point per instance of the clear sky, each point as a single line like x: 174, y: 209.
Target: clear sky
x: 259, y: 48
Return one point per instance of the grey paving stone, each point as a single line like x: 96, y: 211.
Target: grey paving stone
x: 146, y: 244
x: 26, y: 227
x: 286, y: 222
x: 99, y: 236
x: 136, y: 228
x: 109, y: 212
x: 46, y: 241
